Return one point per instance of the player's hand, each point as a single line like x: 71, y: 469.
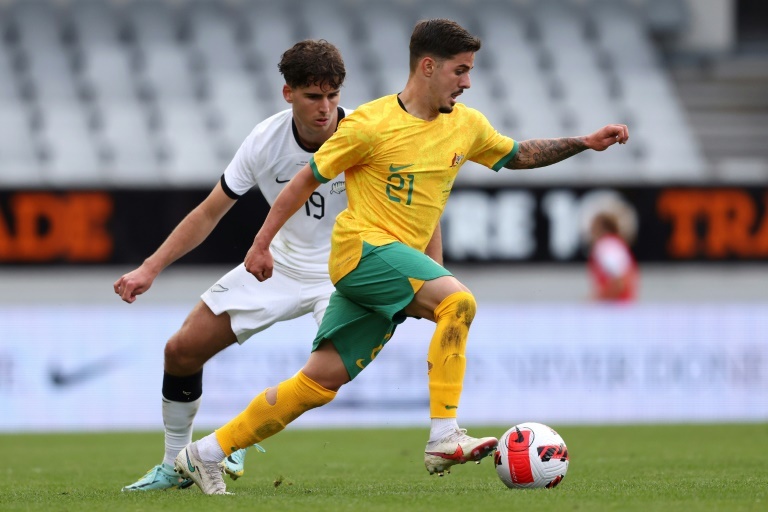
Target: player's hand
x: 607, y: 136
x: 134, y: 283
x: 259, y: 262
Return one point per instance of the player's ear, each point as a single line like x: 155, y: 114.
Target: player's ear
x: 288, y: 93
x: 428, y: 66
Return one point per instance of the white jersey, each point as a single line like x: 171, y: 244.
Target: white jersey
x: 268, y: 158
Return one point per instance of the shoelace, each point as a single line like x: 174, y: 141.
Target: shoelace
x: 150, y: 475
x: 459, y: 435
x: 239, y: 455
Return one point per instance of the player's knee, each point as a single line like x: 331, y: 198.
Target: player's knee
x: 459, y: 307
x: 178, y: 358
x: 326, y: 367
x: 330, y: 380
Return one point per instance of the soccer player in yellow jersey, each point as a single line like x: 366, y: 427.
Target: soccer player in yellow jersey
x: 400, y: 155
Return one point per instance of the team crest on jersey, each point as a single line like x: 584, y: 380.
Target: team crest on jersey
x: 457, y: 159
x: 338, y: 187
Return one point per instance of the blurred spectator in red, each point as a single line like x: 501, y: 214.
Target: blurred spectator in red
x: 612, y: 266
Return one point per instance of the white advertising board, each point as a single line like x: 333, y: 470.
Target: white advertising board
x: 86, y: 367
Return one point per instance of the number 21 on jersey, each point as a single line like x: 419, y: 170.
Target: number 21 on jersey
x: 396, y: 183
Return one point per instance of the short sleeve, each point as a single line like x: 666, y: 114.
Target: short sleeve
x: 239, y: 176
x: 350, y: 144
x: 491, y: 148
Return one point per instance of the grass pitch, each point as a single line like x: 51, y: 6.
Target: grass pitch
x: 645, y: 468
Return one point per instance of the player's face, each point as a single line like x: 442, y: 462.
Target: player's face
x: 314, y: 111
x: 450, y: 80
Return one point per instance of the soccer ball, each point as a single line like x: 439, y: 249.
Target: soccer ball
x: 531, y: 455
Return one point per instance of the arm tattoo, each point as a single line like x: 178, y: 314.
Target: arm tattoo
x: 542, y: 152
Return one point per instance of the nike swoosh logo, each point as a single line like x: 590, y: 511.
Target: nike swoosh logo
x: 458, y: 455
x: 189, y: 463
x: 278, y: 180
x: 392, y: 167
x: 451, y: 406
x: 217, y: 288
x: 65, y: 378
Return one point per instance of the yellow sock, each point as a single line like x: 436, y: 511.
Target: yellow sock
x: 261, y: 420
x: 445, y: 358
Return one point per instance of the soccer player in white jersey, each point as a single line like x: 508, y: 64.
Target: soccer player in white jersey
x: 238, y: 306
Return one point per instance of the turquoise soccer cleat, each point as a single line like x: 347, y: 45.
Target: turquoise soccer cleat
x: 159, y: 478
x: 234, y: 465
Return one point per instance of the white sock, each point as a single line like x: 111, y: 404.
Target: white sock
x: 442, y: 427
x: 209, y: 449
x: 178, y: 418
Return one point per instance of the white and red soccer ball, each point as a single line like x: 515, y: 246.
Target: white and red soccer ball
x: 531, y: 455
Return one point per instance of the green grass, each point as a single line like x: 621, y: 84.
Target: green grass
x: 641, y: 468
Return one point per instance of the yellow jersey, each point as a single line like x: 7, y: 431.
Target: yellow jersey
x: 399, y: 173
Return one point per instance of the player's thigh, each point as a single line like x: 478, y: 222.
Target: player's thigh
x: 431, y: 294
x: 202, y: 335
x: 357, y: 333
x: 388, y: 277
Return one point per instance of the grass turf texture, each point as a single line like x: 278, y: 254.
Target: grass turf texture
x: 642, y: 468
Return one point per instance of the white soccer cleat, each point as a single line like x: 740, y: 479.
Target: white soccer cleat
x: 207, y: 475
x: 456, y: 448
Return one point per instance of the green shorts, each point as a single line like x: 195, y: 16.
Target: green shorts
x: 368, y: 302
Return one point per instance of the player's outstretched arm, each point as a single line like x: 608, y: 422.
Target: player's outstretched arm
x: 258, y: 260
x: 542, y: 152
x: 189, y: 233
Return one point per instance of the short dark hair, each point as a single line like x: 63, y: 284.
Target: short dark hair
x: 607, y: 223
x: 442, y: 39
x: 313, y: 62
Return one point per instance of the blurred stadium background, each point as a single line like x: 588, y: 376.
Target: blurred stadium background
x: 118, y: 116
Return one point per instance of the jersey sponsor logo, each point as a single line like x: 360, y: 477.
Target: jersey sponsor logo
x: 457, y: 159
x: 392, y: 167
x: 278, y: 180
x: 338, y: 187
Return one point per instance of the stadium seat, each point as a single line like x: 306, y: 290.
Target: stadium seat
x: 9, y: 84
x: 126, y: 146
x: 234, y: 101
x: 72, y: 159
x: 206, y: 72
x: 94, y: 23
x: 213, y: 37
x: 192, y: 156
x: 19, y: 166
x: 106, y: 70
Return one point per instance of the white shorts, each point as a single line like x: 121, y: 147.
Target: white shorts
x: 254, y: 306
